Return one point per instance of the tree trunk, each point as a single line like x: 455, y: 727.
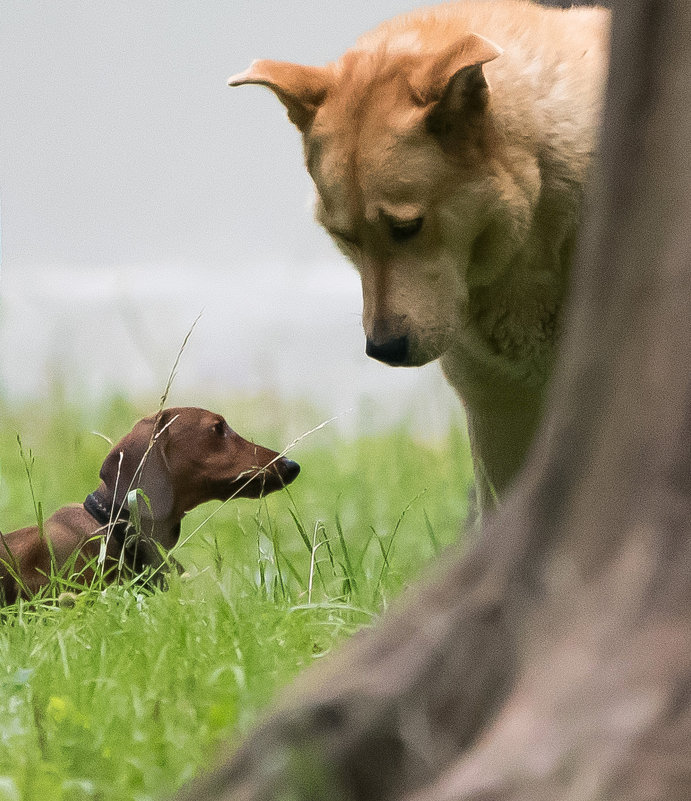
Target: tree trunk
x: 553, y: 661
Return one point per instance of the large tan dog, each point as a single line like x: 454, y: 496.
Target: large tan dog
x: 449, y: 150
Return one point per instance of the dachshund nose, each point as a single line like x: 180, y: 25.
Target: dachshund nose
x: 392, y: 351
x: 288, y: 470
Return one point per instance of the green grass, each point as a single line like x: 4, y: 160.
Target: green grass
x: 127, y: 695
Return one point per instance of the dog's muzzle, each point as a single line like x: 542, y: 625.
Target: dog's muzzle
x: 287, y: 470
x: 391, y: 351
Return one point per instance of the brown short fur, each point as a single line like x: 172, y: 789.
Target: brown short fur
x: 179, y: 458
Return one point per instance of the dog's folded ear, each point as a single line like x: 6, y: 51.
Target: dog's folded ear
x: 156, y: 484
x: 300, y: 88
x: 454, y: 83
x: 139, y: 461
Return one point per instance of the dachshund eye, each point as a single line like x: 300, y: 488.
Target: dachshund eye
x: 402, y: 231
x: 220, y: 428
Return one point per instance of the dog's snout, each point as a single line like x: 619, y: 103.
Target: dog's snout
x: 392, y: 351
x: 288, y: 470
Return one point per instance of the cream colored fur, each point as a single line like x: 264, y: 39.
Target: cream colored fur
x: 449, y: 150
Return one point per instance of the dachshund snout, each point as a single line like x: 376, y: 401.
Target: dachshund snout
x: 260, y: 481
x: 287, y: 470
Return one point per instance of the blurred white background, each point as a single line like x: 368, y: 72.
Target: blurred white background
x: 138, y: 190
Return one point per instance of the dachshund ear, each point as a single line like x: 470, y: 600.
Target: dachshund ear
x: 138, y: 461
x: 155, y: 482
x: 122, y: 466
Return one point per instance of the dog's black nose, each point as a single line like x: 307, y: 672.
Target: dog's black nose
x: 288, y: 470
x: 393, y: 351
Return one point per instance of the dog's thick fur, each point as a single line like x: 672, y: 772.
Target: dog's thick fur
x: 179, y: 458
x: 449, y: 150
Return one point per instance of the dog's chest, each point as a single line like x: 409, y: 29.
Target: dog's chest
x: 508, y: 332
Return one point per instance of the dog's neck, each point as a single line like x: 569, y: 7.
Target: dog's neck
x: 115, y: 520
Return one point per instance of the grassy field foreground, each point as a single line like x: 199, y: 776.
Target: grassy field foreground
x: 127, y: 695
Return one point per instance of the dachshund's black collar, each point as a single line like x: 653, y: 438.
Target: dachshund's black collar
x: 102, y: 512
x: 138, y: 552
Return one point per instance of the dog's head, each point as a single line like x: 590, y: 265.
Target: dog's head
x: 185, y: 456
x: 396, y: 142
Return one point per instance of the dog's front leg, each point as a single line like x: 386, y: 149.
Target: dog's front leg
x: 503, y: 416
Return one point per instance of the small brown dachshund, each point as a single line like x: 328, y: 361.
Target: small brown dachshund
x: 179, y: 458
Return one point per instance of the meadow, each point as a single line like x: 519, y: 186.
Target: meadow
x: 126, y: 694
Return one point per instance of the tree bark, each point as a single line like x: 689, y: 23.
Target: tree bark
x: 553, y: 661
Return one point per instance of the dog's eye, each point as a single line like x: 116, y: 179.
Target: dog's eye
x: 220, y: 428
x: 401, y: 231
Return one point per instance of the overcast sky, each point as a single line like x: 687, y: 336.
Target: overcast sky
x: 152, y: 191
x: 121, y: 143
